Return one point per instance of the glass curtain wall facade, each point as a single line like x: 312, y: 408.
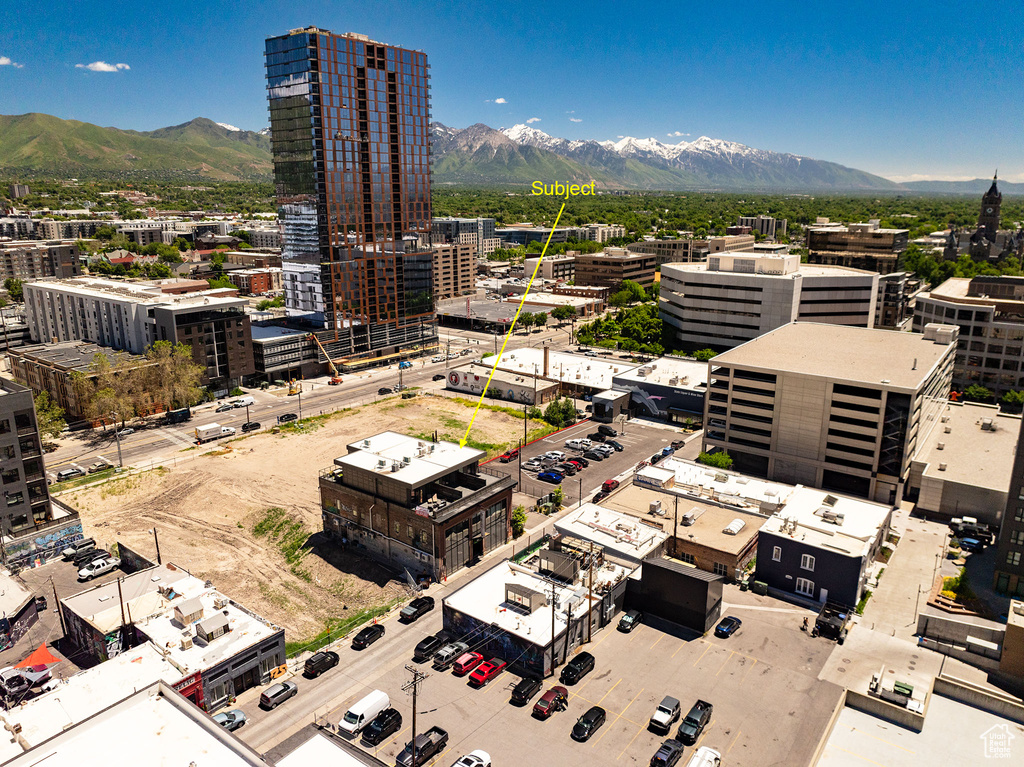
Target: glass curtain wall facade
x: 349, y: 122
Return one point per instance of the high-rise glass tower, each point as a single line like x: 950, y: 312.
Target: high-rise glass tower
x: 350, y: 128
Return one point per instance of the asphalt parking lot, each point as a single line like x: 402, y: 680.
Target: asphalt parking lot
x: 639, y: 440
x: 770, y: 708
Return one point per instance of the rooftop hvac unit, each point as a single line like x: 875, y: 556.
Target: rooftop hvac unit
x: 186, y: 640
x: 721, y: 477
x: 834, y: 517
x: 987, y: 424
x: 947, y: 430
x: 830, y: 500
x: 655, y: 507
x: 220, y: 603
x: 734, y: 527
x: 940, y: 446
x: 395, y: 466
x: 945, y: 419
x: 366, y: 443
x: 942, y: 467
x: 381, y: 463
x: 673, y: 380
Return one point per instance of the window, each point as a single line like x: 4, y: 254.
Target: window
x: 805, y: 587
x: 1017, y: 537
x: 720, y: 569
x: 807, y: 562
x: 15, y: 498
x: 688, y: 558
x: 777, y: 554
x: 1013, y: 558
x: 1019, y: 515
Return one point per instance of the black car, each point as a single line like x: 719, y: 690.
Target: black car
x: 565, y: 468
x: 416, y: 608
x: 600, y: 495
x: 89, y: 556
x: 607, y: 430
x: 286, y: 417
x: 583, y: 462
x: 223, y: 409
x: 40, y: 603
x: 630, y: 620
x: 438, y: 377
x: 588, y: 724
x: 526, y: 689
x: 385, y: 724
x: 617, y: 445
x: 693, y: 723
x: 426, y: 649
x: 678, y: 444
x: 596, y: 437
x: 367, y: 636
x: 383, y: 391
x: 593, y: 455
x: 320, y: 662
x: 655, y: 458
x: 250, y: 426
x: 577, y: 668
x: 668, y: 755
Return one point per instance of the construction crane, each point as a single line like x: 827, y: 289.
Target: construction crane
x: 335, y: 375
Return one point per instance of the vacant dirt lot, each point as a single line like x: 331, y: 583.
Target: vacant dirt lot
x: 239, y: 513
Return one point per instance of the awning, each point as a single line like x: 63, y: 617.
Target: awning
x: 41, y: 657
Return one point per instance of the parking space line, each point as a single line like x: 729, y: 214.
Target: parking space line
x: 436, y: 759
x: 738, y: 732
x: 854, y: 753
x: 608, y: 693
x: 704, y: 734
x: 638, y: 731
x: 391, y: 740
x: 636, y: 632
x: 702, y: 654
x: 620, y: 716
x: 681, y: 646
x: 657, y: 640
x: 883, y: 740
x: 623, y: 714
x: 726, y: 661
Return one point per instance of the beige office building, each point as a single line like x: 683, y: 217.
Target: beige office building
x: 680, y: 251
x: 835, y: 407
x: 730, y: 243
x: 454, y: 269
x: 862, y: 246
x: 612, y: 266
x: 736, y: 297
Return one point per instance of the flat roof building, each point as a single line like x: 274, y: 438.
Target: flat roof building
x: 831, y: 406
x: 520, y: 388
x: 675, y: 251
x: 574, y: 372
x: 736, y: 297
x: 625, y: 539
x: 612, y: 266
x: 668, y: 388
x: 417, y: 504
x: 27, y: 497
x: 860, y: 246
x: 963, y: 467
x: 454, y: 269
x: 35, y: 259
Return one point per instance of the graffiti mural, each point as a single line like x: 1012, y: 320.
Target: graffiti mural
x: 13, y: 629
x: 39, y: 546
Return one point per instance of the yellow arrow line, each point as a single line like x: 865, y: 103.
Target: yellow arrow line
x: 511, y: 330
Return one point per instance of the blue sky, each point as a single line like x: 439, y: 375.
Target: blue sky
x: 906, y: 90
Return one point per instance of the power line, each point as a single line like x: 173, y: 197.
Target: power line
x: 414, y: 686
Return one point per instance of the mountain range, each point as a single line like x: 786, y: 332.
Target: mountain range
x: 38, y: 144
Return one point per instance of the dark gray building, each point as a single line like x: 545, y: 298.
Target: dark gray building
x: 26, y: 498
x: 1009, y: 567
x: 677, y: 592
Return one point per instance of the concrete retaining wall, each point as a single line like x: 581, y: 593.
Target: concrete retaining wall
x: 956, y: 632
x: 969, y: 657
x: 883, y: 710
x: 986, y: 700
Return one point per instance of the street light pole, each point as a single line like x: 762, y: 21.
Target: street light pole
x: 156, y: 540
x: 117, y: 436
x: 300, y: 404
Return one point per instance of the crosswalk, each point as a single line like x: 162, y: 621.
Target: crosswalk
x: 175, y: 435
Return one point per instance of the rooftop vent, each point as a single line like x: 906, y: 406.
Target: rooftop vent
x: 987, y: 424
x: 941, y: 446
x: 830, y: 500
x: 942, y: 467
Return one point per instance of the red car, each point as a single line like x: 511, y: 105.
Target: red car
x: 466, y: 663
x: 555, y: 699
x: 609, y: 485
x: 509, y: 455
x: 486, y: 671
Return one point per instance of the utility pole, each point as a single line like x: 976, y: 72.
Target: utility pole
x: 581, y: 491
x: 554, y: 654
x: 414, y: 686
x: 117, y: 436
x: 300, y: 402
x: 157, y: 541
x: 590, y: 596
x: 56, y: 604
x: 447, y: 351
x: 675, y: 527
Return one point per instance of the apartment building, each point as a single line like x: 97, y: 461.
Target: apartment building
x: 561, y: 268
x: 603, y: 232
x: 132, y: 316
x: 254, y: 282
x: 252, y: 259
x: 477, y: 231
x: 731, y: 242
x: 26, y: 499
x: 454, y: 269
x: 1009, y: 564
x: 17, y: 227
x: 831, y: 406
x: 34, y: 259
x: 524, y: 234
x: 681, y: 251
x: 736, y: 297
x: 70, y: 229
x: 861, y: 246
x: 17, y: 191
x: 990, y: 314
x: 264, y: 237
x: 425, y: 506
x: 769, y: 226
x: 612, y: 266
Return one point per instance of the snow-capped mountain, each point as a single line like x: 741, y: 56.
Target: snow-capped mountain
x: 229, y: 127
x: 648, y: 163
x: 264, y: 131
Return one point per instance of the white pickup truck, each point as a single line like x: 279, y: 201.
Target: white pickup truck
x: 98, y: 567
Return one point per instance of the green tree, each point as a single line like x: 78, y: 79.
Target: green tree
x: 636, y: 291
x: 241, y: 234
x: 220, y: 282
x: 557, y: 497
x: 105, y: 233
x: 1012, y: 401
x: 13, y: 287
x: 977, y: 393
x: 620, y: 298
x: 560, y: 412
x: 173, y: 378
x: 518, y: 521
x: 525, y: 321
x: 49, y: 416
x: 540, y: 320
x: 563, y: 313
x: 181, y: 244
x: 720, y: 460
x: 703, y: 355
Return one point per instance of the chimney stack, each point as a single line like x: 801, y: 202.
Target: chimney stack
x: 547, y: 351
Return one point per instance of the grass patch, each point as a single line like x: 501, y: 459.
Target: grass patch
x: 339, y: 627
x: 273, y: 597
x: 288, y: 534
x: 863, y: 602
x: 186, y: 449
x: 79, y: 481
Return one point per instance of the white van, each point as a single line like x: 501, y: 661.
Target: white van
x: 363, y: 712
x: 243, y: 401
x: 705, y: 757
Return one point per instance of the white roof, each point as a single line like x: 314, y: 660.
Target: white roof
x: 244, y: 630
x: 140, y: 592
x: 688, y: 374
x: 155, y: 726
x: 12, y: 596
x: 621, y: 535
x: 726, y: 487
x: 427, y: 460
x: 861, y: 520
x: 319, y: 751
x: 80, y: 696
x: 575, y: 369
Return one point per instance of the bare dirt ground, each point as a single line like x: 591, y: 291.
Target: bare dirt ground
x: 206, y: 510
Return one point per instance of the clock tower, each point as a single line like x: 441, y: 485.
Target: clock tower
x: 989, y: 218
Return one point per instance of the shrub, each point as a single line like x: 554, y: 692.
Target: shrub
x: 518, y: 520
x: 720, y: 460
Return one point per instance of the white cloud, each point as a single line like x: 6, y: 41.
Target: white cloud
x: 500, y: 101
x: 102, y: 66
x: 533, y: 120
x: 678, y: 133
x: 6, y: 62
x: 575, y: 120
